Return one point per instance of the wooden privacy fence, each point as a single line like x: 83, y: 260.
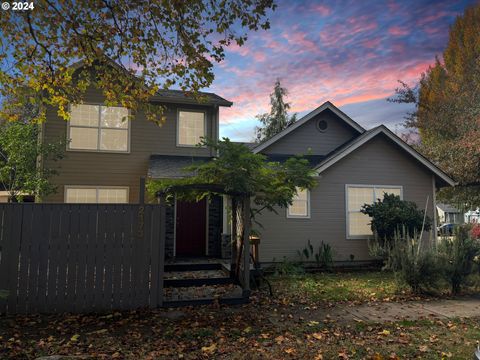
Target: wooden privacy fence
x: 81, y: 258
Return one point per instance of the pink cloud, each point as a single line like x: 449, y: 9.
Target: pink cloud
x: 299, y: 39
x: 323, y: 10
x: 398, y: 31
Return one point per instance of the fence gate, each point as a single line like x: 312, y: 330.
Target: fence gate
x: 80, y: 257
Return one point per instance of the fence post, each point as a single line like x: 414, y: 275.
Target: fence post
x: 161, y: 250
x: 246, y: 246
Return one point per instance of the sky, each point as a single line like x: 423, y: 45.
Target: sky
x: 351, y: 53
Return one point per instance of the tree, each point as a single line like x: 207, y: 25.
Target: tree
x: 278, y: 118
x: 238, y: 170
x: 22, y: 160
x: 391, y: 215
x: 155, y: 44
x: 447, y: 109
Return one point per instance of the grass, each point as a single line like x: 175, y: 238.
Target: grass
x: 335, y: 287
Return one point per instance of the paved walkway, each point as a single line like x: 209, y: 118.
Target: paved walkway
x: 383, y: 312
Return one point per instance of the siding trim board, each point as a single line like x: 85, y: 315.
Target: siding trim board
x: 385, y: 131
x: 326, y: 105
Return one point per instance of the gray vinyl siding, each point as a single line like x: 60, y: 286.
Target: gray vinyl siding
x: 122, y: 169
x: 308, y: 139
x: 378, y: 162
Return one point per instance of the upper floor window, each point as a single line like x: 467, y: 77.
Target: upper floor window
x: 300, y: 207
x: 99, y: 128
x: 191, y: 127
x: 358, y: 223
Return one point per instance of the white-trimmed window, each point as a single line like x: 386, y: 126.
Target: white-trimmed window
x: 94, y: 195
x: 300, y: 207
x: 191, y: 127
x: 98, y: 128
x: 358, y: 224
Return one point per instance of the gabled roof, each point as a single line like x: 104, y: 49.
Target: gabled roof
x: 351, y: 146
x: 173, y: 96
x: 326, y: 105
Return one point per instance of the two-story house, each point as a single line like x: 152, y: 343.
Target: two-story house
x: 106, y: 157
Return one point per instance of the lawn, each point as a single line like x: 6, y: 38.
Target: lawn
x: 280, y: 328
x: 357, y: 287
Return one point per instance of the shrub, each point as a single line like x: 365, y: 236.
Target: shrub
x: 392, y: 214
x: 457, y: 257
x: 475, y: 232
x: 287, y: 267
x: 413, y: 263
x: 323, y: 256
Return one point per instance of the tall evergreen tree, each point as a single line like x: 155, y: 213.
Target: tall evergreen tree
x: 278, y: 118
x: 447, y: 109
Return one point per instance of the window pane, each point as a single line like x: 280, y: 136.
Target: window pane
x: 114, y: 117
x: 83, y: 138
x: 380, y: 191
x: 84, y: 115
x: 298, y: 208
x: 301, y: 194
x: 357, y: 197
x: 359, y: 224
x: 112, y: 196
x: 191, y: 127
x: 116, y: 140
x: 79, y: 195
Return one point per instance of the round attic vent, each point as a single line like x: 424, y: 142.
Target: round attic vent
x: 322, y: 125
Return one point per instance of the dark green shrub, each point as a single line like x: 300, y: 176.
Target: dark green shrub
x: 392, y: 214
x: 456, y: 256
x: 287, y: 267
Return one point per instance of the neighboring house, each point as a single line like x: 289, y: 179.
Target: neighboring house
x: 472, y: 216
x: 447, y: 214
x: 106, y: 158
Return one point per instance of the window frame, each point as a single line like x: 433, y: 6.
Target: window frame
x: 66, y: 187
x: 290, y: 216
x: 177, y: 125
x: 99, y: 130
x: 347, y: 212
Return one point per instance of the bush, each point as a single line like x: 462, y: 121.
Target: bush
x: 287, y: 267
x: 414, y: 264
x: 392, y: 214
x: 323, y: 256
x: 457, y: 257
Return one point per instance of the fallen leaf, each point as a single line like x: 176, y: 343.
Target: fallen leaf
x: 384, y: 332
x: 209, y: 349
x: 75, y: 337
x: 317, y: 336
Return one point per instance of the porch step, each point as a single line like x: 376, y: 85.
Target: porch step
x: 196, y: 282
x: 193, y: 267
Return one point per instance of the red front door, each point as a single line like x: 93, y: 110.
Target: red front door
x: 191, y: 228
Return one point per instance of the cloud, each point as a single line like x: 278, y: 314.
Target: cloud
x: 346, y: 52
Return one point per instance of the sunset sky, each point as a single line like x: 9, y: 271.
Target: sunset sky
x: 349, y: 52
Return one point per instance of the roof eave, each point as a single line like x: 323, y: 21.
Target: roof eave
x: 326, y: 105
x: 445, y: 180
